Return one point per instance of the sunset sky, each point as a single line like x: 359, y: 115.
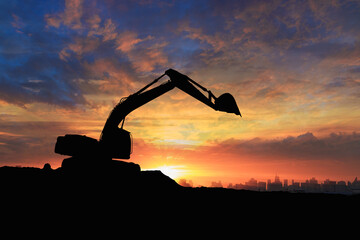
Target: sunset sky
x: 292, y: 66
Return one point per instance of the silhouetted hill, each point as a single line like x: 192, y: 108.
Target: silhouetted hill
x: 115, y: 175
x: 116, y: 186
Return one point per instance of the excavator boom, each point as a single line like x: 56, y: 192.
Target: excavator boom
x: 225, y: 102
x: 115, y: 142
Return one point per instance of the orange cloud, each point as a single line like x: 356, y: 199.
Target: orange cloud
x: 143, y: 58
x: 71, y: 16
x: 216, y: 41
x: 147, y: 59
x: 108, y: 31
x: 80, y: 46
x: 110, y: 76
x: 127, y: 40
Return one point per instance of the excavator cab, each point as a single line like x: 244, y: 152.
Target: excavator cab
x: 116, y: 144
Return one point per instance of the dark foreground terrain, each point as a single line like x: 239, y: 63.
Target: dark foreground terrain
x: 125, y: 180
x: 121, y: 190
x: 117, y: 199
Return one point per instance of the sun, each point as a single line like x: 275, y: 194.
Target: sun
x: 174, y: 172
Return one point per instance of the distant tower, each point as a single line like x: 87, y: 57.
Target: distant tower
x: 277, y: 179
x: 275, y: 186
x: 285, y: 183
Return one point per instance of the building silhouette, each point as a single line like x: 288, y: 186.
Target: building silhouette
x: 252, y: 185
x: 294, y: 187
x: 309, y: 186
x: 354, y: 186
x: 276, y: 185
x: 328, y: 186
x: 286, y: 184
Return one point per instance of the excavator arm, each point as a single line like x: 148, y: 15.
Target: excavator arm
x: 115, y: 142
x: 224, y: 103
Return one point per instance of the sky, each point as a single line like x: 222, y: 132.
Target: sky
x: 292, y: 66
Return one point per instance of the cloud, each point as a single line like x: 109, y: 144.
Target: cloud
x: 108, y: 31
x: 127, y: 40
x: 215, y: 41
x: 149, y: 58
x: 269, y: 93
x: 31, y: 143
x: 144, y: 57
x: 336, y: 146
x: 79, y: 47
x: 108, y: 75
x: 18, y: 24
x: 70, y: 17
x: 275, y: 56
x: 185, y: 183
x: 144, y: 53
x: 41, y: 78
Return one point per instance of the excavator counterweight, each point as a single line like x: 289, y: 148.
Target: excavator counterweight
x: 115, y: 142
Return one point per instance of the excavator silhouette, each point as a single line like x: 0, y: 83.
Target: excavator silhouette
x: 116, y: 142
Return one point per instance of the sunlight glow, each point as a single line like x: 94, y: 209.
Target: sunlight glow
x: 174, y: 172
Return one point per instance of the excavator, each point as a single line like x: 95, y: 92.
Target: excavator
x: 115, y: 142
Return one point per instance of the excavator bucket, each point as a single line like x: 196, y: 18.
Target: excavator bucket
x: 226, y: 103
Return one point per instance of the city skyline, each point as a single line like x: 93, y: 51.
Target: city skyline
x: 277, y: 184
